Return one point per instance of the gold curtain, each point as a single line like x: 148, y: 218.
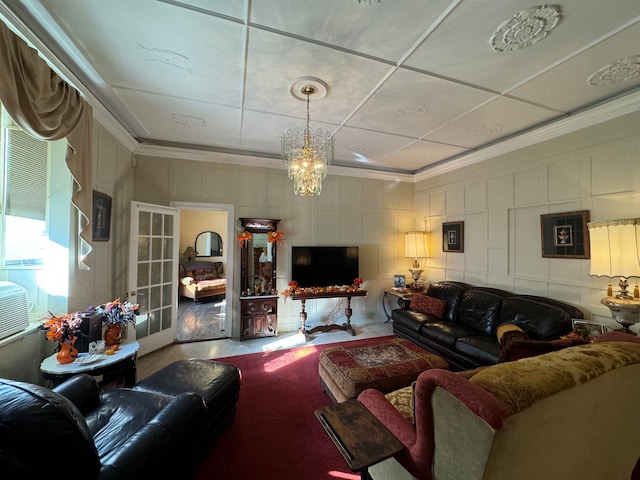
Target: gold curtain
x: 48, y: 108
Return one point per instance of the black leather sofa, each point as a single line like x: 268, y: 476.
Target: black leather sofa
x: 465, y: 336
x: 160, y: 428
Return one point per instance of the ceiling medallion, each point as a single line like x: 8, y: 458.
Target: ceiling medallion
x: 525, y: 28
x: 187, y: 121
x: 489, y: 129
x: 615, y: 72
x: 419, y: 110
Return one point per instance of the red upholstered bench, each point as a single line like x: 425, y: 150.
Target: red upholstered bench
x: 386, y: 366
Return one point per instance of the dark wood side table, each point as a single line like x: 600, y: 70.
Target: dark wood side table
x: 403, y: 296
x: 359, y: 436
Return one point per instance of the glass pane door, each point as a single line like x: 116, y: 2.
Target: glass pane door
x: 153, y: 273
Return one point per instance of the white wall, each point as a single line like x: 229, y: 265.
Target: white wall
x: 501, y: 200
x: 373, y: 214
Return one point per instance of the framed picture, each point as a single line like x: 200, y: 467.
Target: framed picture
x: 399, y: 281
x: 588, y: 329
x: 565, y: 235
x: 453, y: 237
x: 101, y: 221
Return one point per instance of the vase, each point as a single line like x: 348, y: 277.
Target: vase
x: 112, y: 334
x: 67, y: 352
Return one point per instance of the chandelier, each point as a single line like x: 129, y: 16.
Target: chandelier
x: 307, y: 152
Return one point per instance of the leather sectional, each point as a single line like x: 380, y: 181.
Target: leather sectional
x: 160, y: 428
x: 465, y: 335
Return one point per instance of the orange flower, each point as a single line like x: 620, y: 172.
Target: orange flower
x: 243, y: 237
x: 275, y: 237
x: 62, y: 327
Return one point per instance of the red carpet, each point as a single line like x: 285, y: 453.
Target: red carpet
x: 274, y: 434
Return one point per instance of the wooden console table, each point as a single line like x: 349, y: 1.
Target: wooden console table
x: 325, y: 328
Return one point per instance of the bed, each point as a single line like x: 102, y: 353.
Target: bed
x: 201, y: 279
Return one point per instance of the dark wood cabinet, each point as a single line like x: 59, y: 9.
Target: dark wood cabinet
x: 259, y: 316
x: 258, y: 270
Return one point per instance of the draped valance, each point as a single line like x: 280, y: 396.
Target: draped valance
x: 48, y: 108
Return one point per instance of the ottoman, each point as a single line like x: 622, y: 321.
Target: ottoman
x: 345, y: 372
x: 217, y: 383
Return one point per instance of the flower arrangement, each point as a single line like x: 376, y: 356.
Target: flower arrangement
x: 62, y: 328
x: 294, y: 288
x: 242, y: 237
x: 276, y: 236
x: 117, y: 313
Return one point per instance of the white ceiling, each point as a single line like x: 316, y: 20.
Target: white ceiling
x: 412, y: 84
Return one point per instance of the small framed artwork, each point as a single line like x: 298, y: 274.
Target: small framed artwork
x: 565, y: 235
x: 101, y: 221
x: 588, y: 329
x: 453, y: 237
x: 399, y: 281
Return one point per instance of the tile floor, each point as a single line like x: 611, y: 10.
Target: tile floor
x: 228, y: 347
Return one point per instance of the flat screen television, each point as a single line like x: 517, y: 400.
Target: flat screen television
x: 324, y: 266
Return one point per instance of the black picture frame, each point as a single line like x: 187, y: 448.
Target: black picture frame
x: 101, y: 221
x: 565, y: 235
x: 453, y: 237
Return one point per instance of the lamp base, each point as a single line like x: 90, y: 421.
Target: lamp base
x: 625, y: 311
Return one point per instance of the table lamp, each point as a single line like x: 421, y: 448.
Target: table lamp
x: 415, y: 246
x: 615, y: 252
x: 189, y: 252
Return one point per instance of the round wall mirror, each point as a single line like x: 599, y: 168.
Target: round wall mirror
x: 208, y: 244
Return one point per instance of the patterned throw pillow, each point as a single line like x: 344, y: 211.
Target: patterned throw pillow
x: 429, y: 305
x: 204, y: 274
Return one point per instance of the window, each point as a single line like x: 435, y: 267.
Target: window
x: 35, y: 216
x: 25, y: 193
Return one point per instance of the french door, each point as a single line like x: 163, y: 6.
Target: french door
x: 153, y: 273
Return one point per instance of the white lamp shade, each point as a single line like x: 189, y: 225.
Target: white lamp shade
x: 415, y: 245
x: 615, y: 248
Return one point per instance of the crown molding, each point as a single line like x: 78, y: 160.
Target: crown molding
x: 254, y: 161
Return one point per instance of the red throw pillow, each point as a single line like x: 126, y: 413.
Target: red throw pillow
x: 429, y: 305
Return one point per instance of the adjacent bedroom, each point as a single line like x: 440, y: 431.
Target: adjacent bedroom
x: 202, y: 275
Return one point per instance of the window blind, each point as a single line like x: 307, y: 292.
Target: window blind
x: 26, y: 175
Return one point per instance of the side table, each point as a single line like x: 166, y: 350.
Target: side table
x: 403, y: 295
x: 359, y: 436
x: 121, y: 367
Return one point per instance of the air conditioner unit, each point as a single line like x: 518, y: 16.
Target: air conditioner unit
x: 14, y: 310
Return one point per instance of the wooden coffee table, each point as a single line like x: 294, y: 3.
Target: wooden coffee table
x: 359, y: 436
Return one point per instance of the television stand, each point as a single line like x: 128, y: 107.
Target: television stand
x: 303, y: 297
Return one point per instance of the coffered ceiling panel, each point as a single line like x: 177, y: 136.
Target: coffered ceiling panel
x: 420, y: 154
x: 410, y: 84
x: 276, y: 61
x: 591, y: 76
x: 497, y: 119
x: 411, y: 103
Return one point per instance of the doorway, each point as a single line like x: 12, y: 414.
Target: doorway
x: 205, y: 317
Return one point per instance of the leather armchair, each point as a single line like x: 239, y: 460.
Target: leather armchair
x: 122, y: 433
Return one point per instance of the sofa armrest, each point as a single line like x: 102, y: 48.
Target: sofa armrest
x: 389, y: 416
x: 160, y: 447
x: 82, y: 390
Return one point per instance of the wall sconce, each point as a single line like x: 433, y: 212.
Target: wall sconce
x: 615, y: 252
x: 189, y: 252
x: 416, y: 247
